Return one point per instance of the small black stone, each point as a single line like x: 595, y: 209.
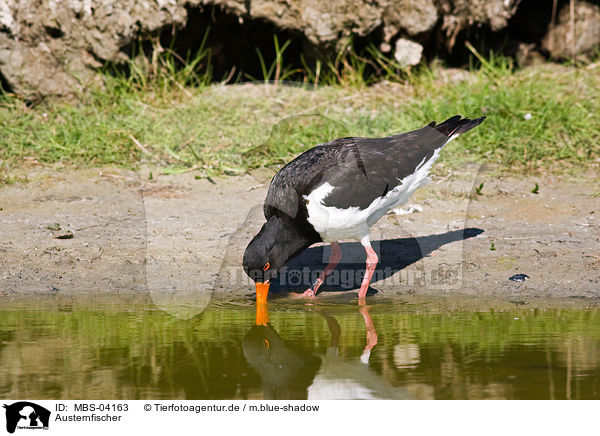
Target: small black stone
x: 519, y: 277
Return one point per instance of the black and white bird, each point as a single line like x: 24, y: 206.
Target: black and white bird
x: 337, y: 191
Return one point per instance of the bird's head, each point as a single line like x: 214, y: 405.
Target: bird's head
x: 276, y: 243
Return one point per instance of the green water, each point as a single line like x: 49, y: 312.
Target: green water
x: 123, y: 349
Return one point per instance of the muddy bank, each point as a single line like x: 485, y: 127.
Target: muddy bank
x: 176, y: 239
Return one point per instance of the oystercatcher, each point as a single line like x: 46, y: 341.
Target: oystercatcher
x: 337, y: 191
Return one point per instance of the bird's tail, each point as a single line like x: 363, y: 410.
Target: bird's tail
x: 456, y: 125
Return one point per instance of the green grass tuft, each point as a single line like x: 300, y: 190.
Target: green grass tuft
x: 479, y: 189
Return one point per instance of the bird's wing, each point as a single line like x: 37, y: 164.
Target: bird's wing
x: 296, y: 179
x: 371, y: 167
x: 359, y: 169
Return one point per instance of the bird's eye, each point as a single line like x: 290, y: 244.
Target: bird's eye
x: 267, y: 266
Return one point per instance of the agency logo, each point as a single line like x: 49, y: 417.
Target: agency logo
x: 26, y: 415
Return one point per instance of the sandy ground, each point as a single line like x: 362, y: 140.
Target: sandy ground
x: 181, y: 239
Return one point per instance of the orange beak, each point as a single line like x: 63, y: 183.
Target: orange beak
x: 262, y: 311
x: 262, y: 290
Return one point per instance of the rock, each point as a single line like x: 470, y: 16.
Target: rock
x: 410, y: 16
x: 54, y: 47
x: 408, y: 52
x: 527, y: 54
x: 576, y: 33
x: 385, y: 47
x: 494, y: 13
x: 519, y: 277
x: 322, y: 22
x: 460, y: 14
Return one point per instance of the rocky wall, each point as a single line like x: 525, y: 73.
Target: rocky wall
x: 54, y: 47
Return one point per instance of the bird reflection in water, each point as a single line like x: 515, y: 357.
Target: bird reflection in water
x: 291, y: 373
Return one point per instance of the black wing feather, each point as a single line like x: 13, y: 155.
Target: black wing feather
x: 360, y: 169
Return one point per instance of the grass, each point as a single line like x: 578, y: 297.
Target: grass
x: 165, y: 113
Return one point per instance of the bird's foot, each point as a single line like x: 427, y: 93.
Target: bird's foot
x: 309, y: 293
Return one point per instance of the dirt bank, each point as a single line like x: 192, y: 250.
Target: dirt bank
x: 175, y: 235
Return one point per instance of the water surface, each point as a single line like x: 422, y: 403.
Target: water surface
x: 122, y: 348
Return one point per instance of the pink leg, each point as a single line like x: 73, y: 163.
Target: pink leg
x: 372, y: 260
x: 334, y: 259
x: 371, y: 333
